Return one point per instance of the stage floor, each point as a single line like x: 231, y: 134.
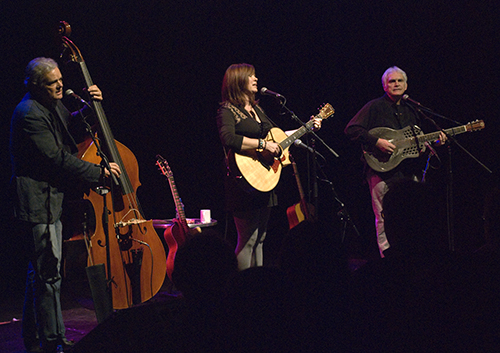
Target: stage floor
x: 78, y: 313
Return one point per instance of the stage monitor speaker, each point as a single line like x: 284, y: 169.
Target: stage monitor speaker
x: 166, y: 325
x: 142, y: 328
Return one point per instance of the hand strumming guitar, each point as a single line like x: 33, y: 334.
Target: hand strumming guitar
x: 272, y: 147
x: 385, y: 146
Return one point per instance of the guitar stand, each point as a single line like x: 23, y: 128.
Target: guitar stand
x: 341, y: 209
x: 342, y: 212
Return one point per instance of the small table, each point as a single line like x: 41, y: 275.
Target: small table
x: 192, y: 223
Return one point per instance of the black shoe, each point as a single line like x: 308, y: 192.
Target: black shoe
x: 51, y: 347
x: 35, y: 348
x: 66, y: 344
x: 32, y: 345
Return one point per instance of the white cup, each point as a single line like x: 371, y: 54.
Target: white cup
x: 205, y: 216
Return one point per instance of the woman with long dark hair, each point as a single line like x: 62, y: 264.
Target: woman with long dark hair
x: 243, y: 125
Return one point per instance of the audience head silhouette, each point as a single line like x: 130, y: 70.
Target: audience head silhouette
x: 203, y: 265
x: 491, y: 217
x: 411, y: 217
x: 254, y: 313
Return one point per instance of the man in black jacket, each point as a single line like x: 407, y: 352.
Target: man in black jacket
x: 44, y: 167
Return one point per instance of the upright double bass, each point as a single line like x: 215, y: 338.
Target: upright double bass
x: 123, y: 240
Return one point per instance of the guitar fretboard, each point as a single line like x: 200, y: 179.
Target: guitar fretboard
x: 297, y: 134
x: 434, y: 136
x: 167, y: 172
x: 324, y: 113
x: 179, y: 206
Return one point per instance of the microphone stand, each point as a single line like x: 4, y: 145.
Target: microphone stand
x: 103, y: 297
x: 449, y: 189
x: 313, y: 175
x: 296, y: 118
x: 310, y: 131
x: 342, y: 212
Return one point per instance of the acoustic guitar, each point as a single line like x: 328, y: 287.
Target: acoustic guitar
x: 303, y: 210
x: 176, y: 234
x: 261, y: 170
x: 410, y: 143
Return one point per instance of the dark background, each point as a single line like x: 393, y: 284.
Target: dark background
x: 160, y: 65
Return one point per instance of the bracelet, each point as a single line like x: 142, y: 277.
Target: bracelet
x: 265, y: 144
x: 261, y: 144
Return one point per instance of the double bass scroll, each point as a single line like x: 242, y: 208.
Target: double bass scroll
x: 134, y: 254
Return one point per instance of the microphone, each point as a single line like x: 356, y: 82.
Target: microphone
x: 70, y: 93
x: 419, y: 106
x: 265, y: 91
x: 301, y: 144
x: 408, y: 99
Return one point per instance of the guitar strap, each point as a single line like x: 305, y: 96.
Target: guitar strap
x: 264, y: 113
x: 226, y: 161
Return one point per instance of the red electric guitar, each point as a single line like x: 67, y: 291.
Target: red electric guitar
x: 176, y: 234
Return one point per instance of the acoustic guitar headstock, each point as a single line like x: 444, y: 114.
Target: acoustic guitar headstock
x: 475, y: 125
x: 325, y: 111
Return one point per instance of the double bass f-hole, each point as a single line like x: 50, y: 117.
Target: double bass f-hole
x: 137, y: 274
